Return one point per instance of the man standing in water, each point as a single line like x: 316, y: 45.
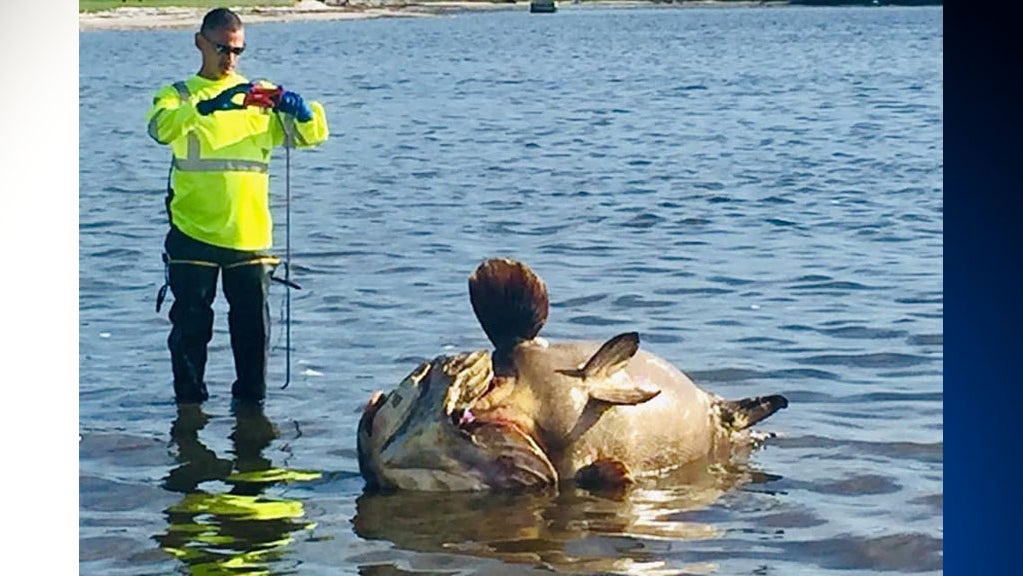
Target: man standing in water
x: 221, y: 132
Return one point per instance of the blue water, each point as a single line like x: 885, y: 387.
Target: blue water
x: 757, y: 191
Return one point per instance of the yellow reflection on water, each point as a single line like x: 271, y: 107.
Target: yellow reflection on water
x: 243, y: 530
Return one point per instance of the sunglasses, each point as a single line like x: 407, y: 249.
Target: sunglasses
x: 224, y: 49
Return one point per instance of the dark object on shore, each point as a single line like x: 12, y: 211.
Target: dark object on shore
x: 543, y: 6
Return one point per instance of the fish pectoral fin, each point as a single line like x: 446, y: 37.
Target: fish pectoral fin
x: 512, y: 459
x: 604, y: 376
x: 612, y: 356
x: 627, y: 392
x: 605, y: 473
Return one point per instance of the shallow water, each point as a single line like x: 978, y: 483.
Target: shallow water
x: 757, y: 191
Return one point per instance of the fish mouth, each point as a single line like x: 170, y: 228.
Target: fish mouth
x: 383, y: 418
x: 365, y: 431
x: 376, y: 401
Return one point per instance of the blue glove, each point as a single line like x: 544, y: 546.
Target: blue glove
x: 223, y: 101
x: 292, y: 103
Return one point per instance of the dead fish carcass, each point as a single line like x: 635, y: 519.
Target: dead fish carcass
x: 533, y: 413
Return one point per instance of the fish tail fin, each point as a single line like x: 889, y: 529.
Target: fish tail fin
x: 510, y: 301
x: 741, y: 414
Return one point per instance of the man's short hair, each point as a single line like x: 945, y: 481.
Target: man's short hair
x: 220, y: 19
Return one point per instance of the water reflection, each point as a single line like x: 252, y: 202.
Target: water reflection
x: 242, y: 530
x: 573, y: 531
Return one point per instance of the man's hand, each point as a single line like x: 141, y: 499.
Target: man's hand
x: 224, y: 100
x: 292, y: 103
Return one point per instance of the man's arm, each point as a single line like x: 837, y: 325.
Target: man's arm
x: 305, y: 134
x: 315, y: 131
x: 170, y: 117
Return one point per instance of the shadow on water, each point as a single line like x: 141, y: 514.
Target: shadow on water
x: 243, y: 529
x: 572, y: 531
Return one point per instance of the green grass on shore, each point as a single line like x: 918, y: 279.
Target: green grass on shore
x: 100, y: 5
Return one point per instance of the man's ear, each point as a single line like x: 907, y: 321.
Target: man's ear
x: 199, y: 47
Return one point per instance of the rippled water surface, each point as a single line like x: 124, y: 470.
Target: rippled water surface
x: 757, y: 191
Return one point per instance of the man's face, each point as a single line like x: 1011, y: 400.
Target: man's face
x: 220, y: 49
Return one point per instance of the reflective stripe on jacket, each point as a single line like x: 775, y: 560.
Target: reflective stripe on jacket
x: 220, y: 165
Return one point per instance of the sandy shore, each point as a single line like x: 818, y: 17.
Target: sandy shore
x: 129, y: 18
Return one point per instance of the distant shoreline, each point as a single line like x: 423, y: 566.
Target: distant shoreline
x: 134, y: 18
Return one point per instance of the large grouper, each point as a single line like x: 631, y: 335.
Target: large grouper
x: 534, y: 413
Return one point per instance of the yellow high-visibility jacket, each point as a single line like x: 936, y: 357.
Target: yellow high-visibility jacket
x: 220, y: 167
